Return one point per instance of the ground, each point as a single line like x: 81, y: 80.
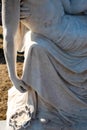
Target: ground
x: 5, y: 82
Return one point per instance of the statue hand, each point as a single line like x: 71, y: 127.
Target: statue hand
x: 20, y: 85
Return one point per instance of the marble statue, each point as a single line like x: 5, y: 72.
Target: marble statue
x: 52, y: 92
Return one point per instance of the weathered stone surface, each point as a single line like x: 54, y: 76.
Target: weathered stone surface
x: 55, y: 66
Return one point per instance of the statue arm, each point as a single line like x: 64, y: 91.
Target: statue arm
x: 10, y: 17
x: 75, y: 6
x: 10, y: 21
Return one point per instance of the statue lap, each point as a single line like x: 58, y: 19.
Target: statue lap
x: 56, y: 70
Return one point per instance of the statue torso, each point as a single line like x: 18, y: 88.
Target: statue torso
x: 44, y: 14
x: 49, y: 20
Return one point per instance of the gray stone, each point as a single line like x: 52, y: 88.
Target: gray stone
x: 53, y: 35
x: 3, y: 125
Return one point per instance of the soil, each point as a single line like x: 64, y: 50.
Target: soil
x: 5, y: 82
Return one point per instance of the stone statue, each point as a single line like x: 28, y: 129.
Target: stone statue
x: 52, y: 92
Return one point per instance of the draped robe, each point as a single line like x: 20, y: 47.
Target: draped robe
x: 55, y: 66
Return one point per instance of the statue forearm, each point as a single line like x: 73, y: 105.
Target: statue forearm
x: 10, y: 56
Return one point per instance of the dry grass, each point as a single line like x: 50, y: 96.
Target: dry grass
x: 5, y: 82
x: 4, y: 86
